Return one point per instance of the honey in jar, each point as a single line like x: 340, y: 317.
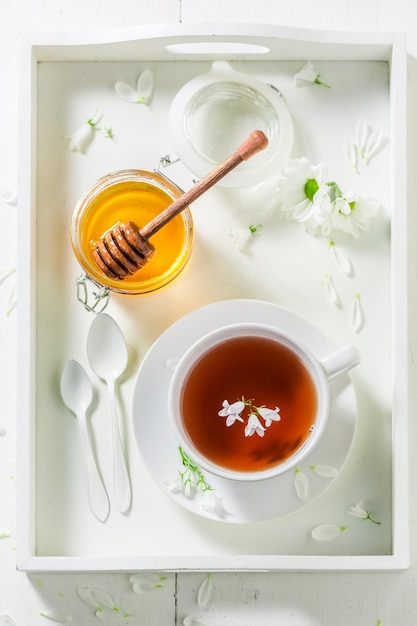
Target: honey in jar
x: 132, y: 196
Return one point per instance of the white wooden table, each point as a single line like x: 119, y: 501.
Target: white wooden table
x: 302, y: 599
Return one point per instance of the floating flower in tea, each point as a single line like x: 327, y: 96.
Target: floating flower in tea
x: 232, y: 412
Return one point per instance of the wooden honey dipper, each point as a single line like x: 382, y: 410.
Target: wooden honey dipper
x: 125, y: 249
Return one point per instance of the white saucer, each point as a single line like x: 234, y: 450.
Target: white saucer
x: 242, y: 502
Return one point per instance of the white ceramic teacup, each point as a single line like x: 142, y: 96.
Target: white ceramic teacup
x: 248, y: 401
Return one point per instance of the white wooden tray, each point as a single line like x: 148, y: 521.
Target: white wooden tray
x: 64, y: 79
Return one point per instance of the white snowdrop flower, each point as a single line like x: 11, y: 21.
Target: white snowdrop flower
x: 301, y: 484
x: 358, y: 511
x: 57, y: 616
x: 308, y: 76
x: 356, y: 314
x: 174, y: 484
x: 269, y: 415
x: 327, y: 532
x: 7, y: 194
x: 254, y: 426
x: 81, y: 139
x: 341, y: 259
x: 242, y: 236
x: 327, y: 471
x: 205, y: 591
x: 330, y: 291
x: 143, y: 92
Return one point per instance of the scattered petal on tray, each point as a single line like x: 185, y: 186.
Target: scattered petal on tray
x: 327, y: 532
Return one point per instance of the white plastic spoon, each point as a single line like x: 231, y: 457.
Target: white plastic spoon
x: 77, y: 394
x: 107, y: 355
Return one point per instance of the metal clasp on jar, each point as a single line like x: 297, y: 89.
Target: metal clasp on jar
x: 98, y: 299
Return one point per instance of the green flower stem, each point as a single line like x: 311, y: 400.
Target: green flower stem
x: 191, y: 472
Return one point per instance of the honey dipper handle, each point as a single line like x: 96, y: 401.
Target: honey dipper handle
x: 254, y: 143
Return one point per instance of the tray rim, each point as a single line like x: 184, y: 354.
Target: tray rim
x: 153, y: 39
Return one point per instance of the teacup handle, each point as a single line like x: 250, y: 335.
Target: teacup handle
x: 341, y: 361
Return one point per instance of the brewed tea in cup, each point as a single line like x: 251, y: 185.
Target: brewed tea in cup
x: 248, y: 401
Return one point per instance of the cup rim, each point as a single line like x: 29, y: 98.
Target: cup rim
x: 199, y: 348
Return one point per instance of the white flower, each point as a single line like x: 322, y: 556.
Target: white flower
x: 143, y: 583
x: 302, y: 484
x: 254, y: 426
x: 143, y: 92
x: 356, y: 314
x: 3, y: 430
x: 327, y: 471
x: 302, y: 189
x: 232, y: 411
x: 242, y: 236
x: 358, y: 511
x: 212, y: 504
x: 205, y: 591
x: 326, y: 532
x: 308, y: 76
x: 81, y: 139
x: 175, y: 484
x: 269, y: 415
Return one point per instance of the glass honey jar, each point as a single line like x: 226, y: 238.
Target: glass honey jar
x: 131, y: 196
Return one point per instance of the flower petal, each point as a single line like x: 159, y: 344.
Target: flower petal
x: 341, y: 259
x: 190, y: 620
x: 327, y: 471
x: 145, y: 86
x: 301, y: 484
x: 330, y: 291
x: 326, y: 532
x: 96, y: 597
x: 205, y: 591
x: 356, y: 314
x: 114, y: 615
x: 126, y: 92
